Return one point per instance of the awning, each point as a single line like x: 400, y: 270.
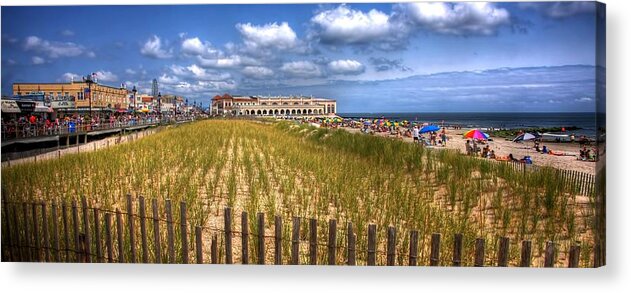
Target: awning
x: 10, y: 106
x: 41, y: 109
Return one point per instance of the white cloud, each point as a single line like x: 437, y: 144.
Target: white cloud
x: 221, y: 62
x: 67, y: 33
x: 130, y: 71
x: 11, y: 62
x: 106, y: 76
x: 305, y: 69
x: 271, y: 35
x: 198, y: 73
x: 194, y: 46
x: 38, y: 60
x: 257, y: 72
x: 90, y: 54
x: 53, y: 49
x: 68, y: 76
x: 153, y: 48
x: 349, y: 67
x: 560, y: 9
x: 463, y: 18
x: 165, y: 79
x: 348, y: 26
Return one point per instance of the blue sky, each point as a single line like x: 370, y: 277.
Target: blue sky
x: 349, y: 52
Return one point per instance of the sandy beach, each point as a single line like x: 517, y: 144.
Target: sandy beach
x: 502, y: 147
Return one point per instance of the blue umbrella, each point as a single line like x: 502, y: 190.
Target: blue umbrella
x: 367, y: 123
x: 429, y: 128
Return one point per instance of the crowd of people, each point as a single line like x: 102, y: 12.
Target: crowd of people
x: 32, y: 125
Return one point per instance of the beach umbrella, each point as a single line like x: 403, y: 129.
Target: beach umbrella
x: 367, y: 122
x: 525, y: 136
x: 429, y: 128
x: 476, y: 134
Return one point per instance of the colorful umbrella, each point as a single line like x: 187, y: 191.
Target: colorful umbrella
x: 429, y: 128
x: 476, y: 134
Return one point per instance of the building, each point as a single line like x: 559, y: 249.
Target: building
x: 272, y: 106
x: 154, y: 88
x: 77, y: 96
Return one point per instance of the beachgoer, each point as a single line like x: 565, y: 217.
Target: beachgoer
x: 544, y: 150
x: 415, y: 133
x: 510, y: 157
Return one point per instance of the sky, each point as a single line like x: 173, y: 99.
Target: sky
x: 398, y: 57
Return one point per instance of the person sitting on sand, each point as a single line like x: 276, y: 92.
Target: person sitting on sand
x: 511, y: 158
x: 544, y: 150
x: 492, y: 154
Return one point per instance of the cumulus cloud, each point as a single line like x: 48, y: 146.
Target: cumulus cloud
x: 463, y: 18
x: 257, y: 72
x: 560, y: 9
x: 346, y: 67
x: 68, y: 76
x: 385, y: 64
x: 53, y: 49
x: 130, y: 71
x: 344, y: 25
x: 153, y: 48
x: 220, y: 62
x: 304, y: 69
x: 196, y: 72
x: 194, y: 46
x: 166, y: 79
x: 38, y: 60
x: 271, y: 35
x: 106, y: 76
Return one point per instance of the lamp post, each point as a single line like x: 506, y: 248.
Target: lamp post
x: 89, y: 81
x: 134, y: 91
x: 160, y: 106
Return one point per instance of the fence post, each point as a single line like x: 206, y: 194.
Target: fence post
x: 27, y: 234
x: 143, y: 229
x: 198, y: 245
x: 502, y: 254
x: 156, y: 231
x: 391, y: 246
x: 9, y: 227
x: 372, y: 244
x: 597, y: 258
x: 97, y: 234
x: 119, y: 232
x: 75, y: 223
x: 457, y: 257
x: 261, y: 237
x: 227, y: 217
x: 132, y: 230
x: 53, y: 212
x: 295, y: 241
x: 64, y: 216
x: 17, y: 252
x: 313, y: 244
x: 549, y: 255
x: 183, y: 232
x: 86, y: 229
x: 170, y: 232
x: 434, y: 259
x: 36, y: 239
x: 525, y: 253
x: 245, y: 237
x: 413, y: 255
x: 46, y: 245
x: 278, y: 235
x: 479, y: 252
x: 213, y: 250
x: 108, y: 237
x: 332, y: 241
x: 351, y: 259
x: 575, y: 253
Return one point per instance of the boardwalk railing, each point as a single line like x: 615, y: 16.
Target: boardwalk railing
x: 150, y: 233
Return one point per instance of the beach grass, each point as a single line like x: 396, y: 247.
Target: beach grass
x: 288, y: 169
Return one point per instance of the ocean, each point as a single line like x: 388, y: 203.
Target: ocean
x: 585, y: 121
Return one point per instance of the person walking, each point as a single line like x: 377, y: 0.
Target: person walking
x: 415, y: 134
